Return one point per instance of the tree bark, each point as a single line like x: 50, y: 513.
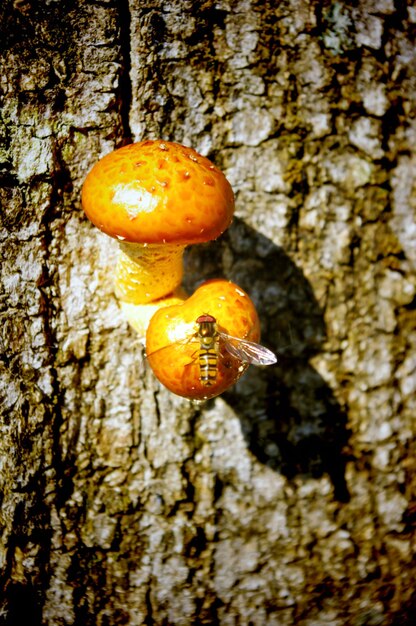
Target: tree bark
x: 290, y: 499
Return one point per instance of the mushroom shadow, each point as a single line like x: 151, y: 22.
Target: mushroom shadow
x: 290, y: 417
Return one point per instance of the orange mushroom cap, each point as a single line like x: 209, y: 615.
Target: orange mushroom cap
x: 171, y: 344
x: 158, y: 192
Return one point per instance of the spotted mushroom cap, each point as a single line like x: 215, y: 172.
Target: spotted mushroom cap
x: 158, y: 191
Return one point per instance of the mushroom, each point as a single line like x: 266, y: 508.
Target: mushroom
x: 173, y: 351
x: 155, y: 198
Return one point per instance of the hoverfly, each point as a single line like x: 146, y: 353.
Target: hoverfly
x: 210, y: 337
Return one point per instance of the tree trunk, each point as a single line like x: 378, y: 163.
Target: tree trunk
x: 291, y: 498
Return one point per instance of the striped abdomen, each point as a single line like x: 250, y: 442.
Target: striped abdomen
x: 208, y: 359
x: 208, y: 356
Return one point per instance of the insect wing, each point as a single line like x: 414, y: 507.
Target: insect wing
x: 174, y: 347
x: 247, y: 351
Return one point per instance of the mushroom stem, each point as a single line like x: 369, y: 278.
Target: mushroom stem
x: 147, y: 272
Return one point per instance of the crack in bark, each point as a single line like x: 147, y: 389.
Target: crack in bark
x: 125, y: 84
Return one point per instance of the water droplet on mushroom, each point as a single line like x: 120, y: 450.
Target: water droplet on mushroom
x: 163, y: 146
x: 208, y: 181
x: 193, y: 158
x: 120, y: 237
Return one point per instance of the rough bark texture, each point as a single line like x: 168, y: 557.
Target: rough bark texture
x: 291, y: 499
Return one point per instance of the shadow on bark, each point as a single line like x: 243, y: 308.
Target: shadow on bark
x: 290, y: 417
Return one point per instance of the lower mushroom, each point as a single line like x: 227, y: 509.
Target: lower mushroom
x: 173, y: 347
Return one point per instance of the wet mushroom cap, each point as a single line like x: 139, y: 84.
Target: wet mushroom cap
x: 158, y: 192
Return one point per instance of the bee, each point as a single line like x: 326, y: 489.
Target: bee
x: 210, y: 337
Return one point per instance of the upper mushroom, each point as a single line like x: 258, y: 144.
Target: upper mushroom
x: 158, y: 192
